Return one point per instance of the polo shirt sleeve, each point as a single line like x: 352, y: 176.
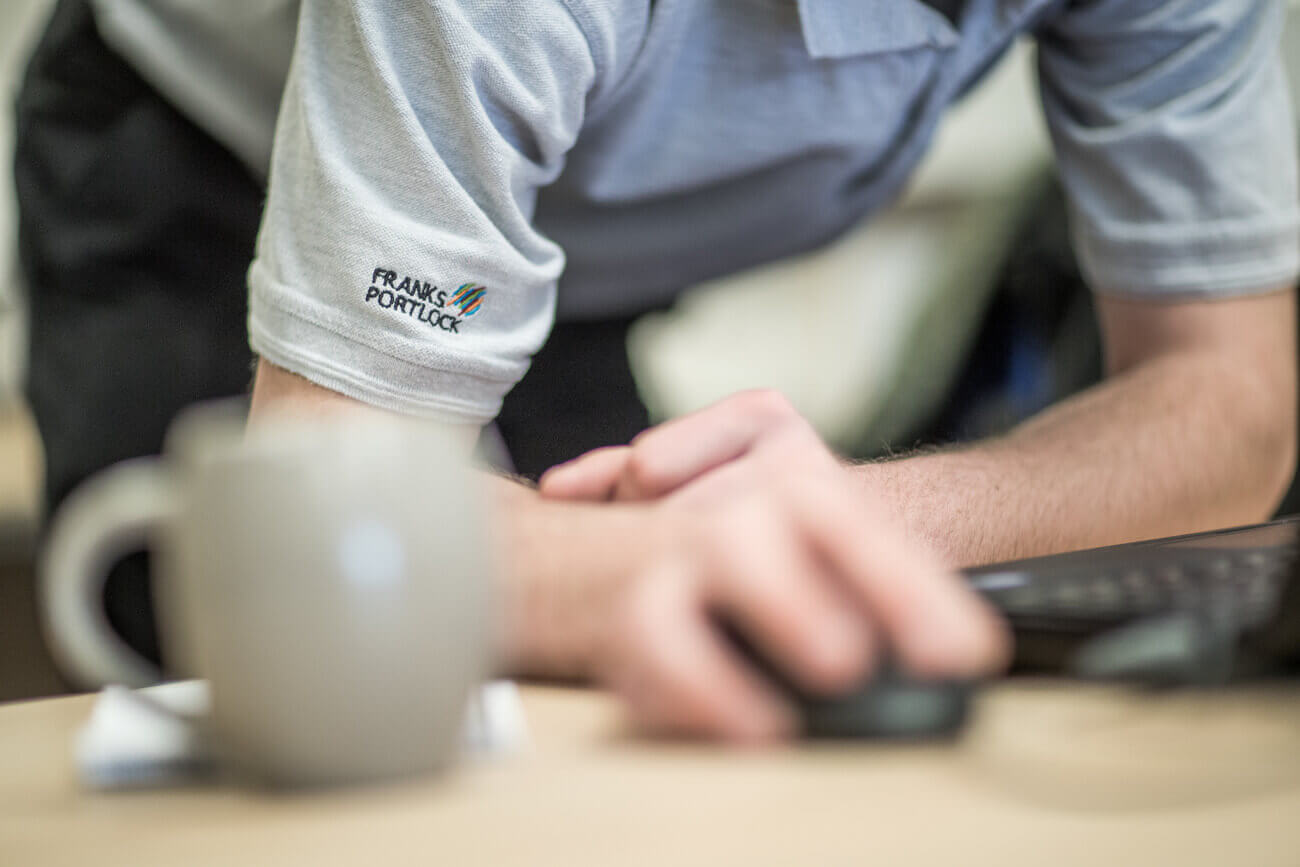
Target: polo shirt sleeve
x: 397, y: 262
x: 1176, y: 144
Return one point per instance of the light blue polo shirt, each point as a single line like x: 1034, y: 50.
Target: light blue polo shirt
x: 447, y: 174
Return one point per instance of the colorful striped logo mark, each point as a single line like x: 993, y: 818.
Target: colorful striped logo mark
x: 469, y: 298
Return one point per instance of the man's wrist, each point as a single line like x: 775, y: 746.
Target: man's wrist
x: 562, y: 566
x: 943, y: 499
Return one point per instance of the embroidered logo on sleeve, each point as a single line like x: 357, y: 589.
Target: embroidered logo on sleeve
x: 469, y: 298
x: 423, y: 301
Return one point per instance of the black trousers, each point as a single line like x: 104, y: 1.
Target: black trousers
x: 136, y: 230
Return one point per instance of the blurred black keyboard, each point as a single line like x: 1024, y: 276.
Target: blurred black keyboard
x: 1210, y: 608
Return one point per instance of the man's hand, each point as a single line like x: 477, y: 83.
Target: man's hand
x: 773, y: 538
x: 1193, y: 429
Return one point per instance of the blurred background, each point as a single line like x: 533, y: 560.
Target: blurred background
x: 952, y: 316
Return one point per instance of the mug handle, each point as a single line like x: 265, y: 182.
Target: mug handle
x: 118, y: 511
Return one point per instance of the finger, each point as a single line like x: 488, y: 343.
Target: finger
x: 591, y: 477
x: 668, y: 456
x: 761, y: 577
x: 676, y: 675
x: 933, y: 621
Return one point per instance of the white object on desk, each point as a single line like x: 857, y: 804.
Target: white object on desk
x: 148, y: 737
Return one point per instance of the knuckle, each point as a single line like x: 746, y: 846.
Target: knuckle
x: 644, y: 470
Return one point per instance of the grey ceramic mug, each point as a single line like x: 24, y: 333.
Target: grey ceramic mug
x: 329, y: 580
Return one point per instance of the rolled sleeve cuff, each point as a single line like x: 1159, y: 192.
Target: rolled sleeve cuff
x: 300, y: 335
x: 1222, y: 259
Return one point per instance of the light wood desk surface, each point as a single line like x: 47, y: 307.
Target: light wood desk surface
x: 1047, y: 775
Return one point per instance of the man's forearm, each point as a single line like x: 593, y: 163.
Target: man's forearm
x: 1178, y: 444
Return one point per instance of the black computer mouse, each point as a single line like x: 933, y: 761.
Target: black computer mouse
x: 888, y: 705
